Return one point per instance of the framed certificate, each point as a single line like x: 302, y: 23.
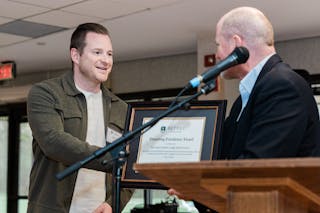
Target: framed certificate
x: 190, y: 134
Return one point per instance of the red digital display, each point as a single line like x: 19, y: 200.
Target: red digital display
x: 7, y: 71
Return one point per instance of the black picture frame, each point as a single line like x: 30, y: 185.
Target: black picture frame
x: 213, y: 111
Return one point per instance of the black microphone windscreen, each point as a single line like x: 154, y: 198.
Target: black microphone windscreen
x: 242, y: 54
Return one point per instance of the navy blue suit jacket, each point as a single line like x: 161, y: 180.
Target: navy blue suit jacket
x: 280, y: 119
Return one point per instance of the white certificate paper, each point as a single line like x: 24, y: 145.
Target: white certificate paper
x: 177, y: 139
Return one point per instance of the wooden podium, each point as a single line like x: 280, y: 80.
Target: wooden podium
x: 244, y: 186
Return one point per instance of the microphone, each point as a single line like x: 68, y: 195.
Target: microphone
x: 238, y: 56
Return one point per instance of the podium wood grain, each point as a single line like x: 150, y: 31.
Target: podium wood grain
x: 257, y: 185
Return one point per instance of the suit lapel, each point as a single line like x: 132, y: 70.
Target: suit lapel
x: 273, y: 60
x: 230, y: 128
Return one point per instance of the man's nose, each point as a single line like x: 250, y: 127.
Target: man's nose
x: 107, y: 58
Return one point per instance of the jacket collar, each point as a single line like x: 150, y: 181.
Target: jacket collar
x: 273, y: 60
x: 70, y: 87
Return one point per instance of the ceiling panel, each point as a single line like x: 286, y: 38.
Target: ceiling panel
x: 149, y: 3
x: 49, y: 3
x: 18, y: 10
x: 105, y: 9
x: 6, y: 39
x: 62, y: 19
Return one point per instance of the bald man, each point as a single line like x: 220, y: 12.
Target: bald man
x: 275, y: 115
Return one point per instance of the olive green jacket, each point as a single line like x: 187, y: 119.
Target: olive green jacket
x: 57, y: 115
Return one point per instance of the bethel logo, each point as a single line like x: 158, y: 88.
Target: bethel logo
x: 163, y: 129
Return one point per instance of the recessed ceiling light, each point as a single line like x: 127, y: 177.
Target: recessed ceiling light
x: 41, y: 43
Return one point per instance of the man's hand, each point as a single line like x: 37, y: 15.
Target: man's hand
x: 178, y: 194
x: 173, y: 192
x: 103, y: 208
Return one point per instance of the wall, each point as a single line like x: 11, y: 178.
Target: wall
x: 154, y: 73
x: 301, y: 53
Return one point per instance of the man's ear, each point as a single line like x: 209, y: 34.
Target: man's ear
x: 237, y: 40
x: 75, y: 55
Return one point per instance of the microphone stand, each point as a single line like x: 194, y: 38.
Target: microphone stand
x: 208, y: 87
x: 116, y: 180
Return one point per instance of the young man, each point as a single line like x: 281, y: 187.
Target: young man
x: 71, y: 117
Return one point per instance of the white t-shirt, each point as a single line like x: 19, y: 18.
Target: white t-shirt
x: 90, y: 190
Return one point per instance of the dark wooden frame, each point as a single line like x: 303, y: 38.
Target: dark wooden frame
x: 214, y: 111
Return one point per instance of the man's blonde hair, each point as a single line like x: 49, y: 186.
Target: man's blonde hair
x: 250, y: 24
